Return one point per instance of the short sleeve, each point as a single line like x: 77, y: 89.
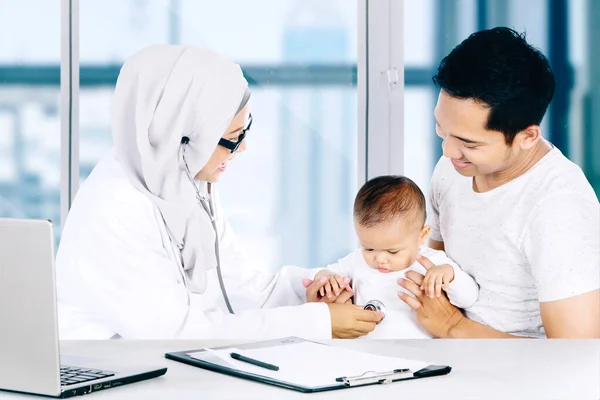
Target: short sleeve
x: 562, y: 244
x: 434, y: 213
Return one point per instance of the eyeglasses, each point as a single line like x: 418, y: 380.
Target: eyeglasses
x: 233, y: 146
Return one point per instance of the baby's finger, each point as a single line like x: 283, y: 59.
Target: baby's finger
x: 328, y: 290
x: 424, y: 284
x: 342, y: 282
x: 438, y: 286
x: 445, y: 282
x: 334, y: 285
x: 322, y: 280
x: 431, y: 286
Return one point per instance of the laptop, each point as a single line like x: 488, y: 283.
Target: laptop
x: 30, y: 360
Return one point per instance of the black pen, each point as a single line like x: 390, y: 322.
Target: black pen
x: 252, y: 361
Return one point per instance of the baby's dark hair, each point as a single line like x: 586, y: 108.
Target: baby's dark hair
x: 387, y: 197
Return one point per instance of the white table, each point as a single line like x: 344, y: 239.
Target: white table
x: 481, y: 369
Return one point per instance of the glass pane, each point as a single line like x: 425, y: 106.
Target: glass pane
x: 267, y: 31
x: 289, y: 197
x: 419, y: 33
x: 466, y: 18
x: 30, y: 32
x: 29, y: 110
x: 421, y: 144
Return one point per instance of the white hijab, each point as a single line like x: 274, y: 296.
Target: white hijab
x: 163, y: 93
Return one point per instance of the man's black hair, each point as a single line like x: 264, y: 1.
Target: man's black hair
x: 497, y: 67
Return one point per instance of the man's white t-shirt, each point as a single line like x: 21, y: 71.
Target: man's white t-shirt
x: 534, y: 239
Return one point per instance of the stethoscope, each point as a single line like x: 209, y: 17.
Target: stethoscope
x: 375, y: 305
x: 207, y: 205
x: 371, y: 305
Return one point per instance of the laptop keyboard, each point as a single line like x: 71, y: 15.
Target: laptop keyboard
x: 75, y: 375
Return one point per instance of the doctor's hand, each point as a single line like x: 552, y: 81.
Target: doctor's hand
x: 328, y: 287
x: 436, y: 315
x: 349, y: 321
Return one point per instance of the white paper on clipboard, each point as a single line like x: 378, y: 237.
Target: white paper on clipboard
x: 310, y: 364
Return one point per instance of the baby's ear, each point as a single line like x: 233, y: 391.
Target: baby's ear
x: 425, y: 231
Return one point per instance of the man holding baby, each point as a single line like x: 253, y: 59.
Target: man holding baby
x: 507, y: 208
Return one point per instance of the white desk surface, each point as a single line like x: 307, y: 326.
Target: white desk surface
x: 481, y: 369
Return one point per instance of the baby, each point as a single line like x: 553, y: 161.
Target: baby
x: 389, y: 220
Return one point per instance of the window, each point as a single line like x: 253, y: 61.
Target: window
x: 300, y: 58
x: 29, y: 110
x: 289, y: 197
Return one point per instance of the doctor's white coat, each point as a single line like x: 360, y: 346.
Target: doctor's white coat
x: 118, y: 275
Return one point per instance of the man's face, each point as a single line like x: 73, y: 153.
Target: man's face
x: 472, y: 148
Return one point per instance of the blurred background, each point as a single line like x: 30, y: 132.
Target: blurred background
x: 289, y: 197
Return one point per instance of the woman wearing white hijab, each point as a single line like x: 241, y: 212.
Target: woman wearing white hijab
x: 137, y: 255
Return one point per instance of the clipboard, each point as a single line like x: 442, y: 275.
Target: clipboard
x: 217, y: 360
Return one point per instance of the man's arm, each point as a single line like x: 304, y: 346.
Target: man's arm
x: 561, y: 242
x: 436, y: 245
x: 568, y: 318
x: 437, y: 315
x: 574, y: 317
x: 468, y: 329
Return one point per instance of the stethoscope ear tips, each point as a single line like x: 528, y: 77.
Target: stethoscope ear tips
x: 185, y: 140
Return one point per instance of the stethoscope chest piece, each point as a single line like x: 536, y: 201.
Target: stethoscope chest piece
x: 375, y: 305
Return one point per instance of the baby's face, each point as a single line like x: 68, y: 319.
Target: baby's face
x: 391, y: 246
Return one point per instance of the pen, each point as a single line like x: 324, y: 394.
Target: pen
x: 252, y: 361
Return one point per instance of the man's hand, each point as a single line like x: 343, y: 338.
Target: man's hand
x: 328, y: 287
x: 349, y: 321
x: 437, y: 278
x: 436, y: 315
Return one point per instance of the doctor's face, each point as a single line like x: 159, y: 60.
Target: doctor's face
x: 220, y: 158
x: 391, y: 246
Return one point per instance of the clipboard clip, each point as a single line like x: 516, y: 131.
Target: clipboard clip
x: 376, y: 377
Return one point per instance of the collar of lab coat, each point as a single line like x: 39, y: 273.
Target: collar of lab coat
x: 163, y: 93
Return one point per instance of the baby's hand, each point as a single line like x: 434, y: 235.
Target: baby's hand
x: 435, y: 278
x: 335, y: 285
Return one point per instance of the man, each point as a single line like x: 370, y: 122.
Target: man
x: 507, y: 206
